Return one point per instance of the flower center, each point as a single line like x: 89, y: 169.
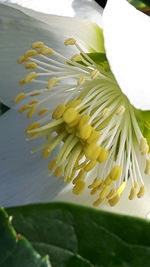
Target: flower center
x: 93, y: 130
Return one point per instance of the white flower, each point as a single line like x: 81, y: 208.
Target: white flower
x: 102, y: 130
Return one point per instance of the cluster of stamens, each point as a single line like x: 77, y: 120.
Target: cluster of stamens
x: 94, y: 127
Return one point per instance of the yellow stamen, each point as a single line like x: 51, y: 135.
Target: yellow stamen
x: 141, y: 191
x: 70, y: 41
x: 114, y: 200
x: 147, y: 168
x: 83, y: 119
x: 93, y: 137
x: 92, y: 151
x: 80, y: 176
x: 144, y: 148
x: 95, y: 183
x: 120, y: 110
x: 31, y: 65
x: 24, y: 108
x: 132, y: 193
x: 58, y: 112
x: 52, y: 82
x: 121, y: 188
x: 46, y: 51
x: 19, y: 98
x: 95, y: 74
x: 79, y: 187
x: 32, y: 126
x: 103, y: 155
x: 90, y: 165
x: 42, y: 111
x: 111, y: 193
x: 30, y: 53
x: 85, y: 131
x: 22, y: 82
x: 81, y: 80
x: 76, y: 58
x: 58, y: 171
x: 22, y: 59
x: 37, y: 45
x: 70, y: 115
x: 30, y: 76
x: 73, y: 104
x: 52, y: 164
x: 115, y: 173
x: 32, y: 111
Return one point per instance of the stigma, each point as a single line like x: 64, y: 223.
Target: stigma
x: 94, y: 131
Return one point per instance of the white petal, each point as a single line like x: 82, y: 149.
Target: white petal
x: 136, y: 207
x: 24, y: 176
x: 18, y: 31
x: 80, y: 8
x: 127, y: 43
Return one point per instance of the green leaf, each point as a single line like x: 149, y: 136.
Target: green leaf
x: 15, y: 250
x: 75, y: 236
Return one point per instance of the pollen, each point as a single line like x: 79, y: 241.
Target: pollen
x: 70, y: 41
x: 94, y: 131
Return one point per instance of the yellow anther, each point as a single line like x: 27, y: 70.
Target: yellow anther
x: 79, y: 187
x: 58, y: 112
x: 75, y: 122
x: 19, y: 97
x: 80, y: 176
x: 30, y: 53
x: 104, y: 192
x: 45, y: 154
x: 24, y: 108
x: 32, y: 111
x: 32, y: 126
x: 70, y: 115
x: 52, y: 82
x: 30, y: 76
x: 76, y: 58
x: 42, y: 111
x: 35, y: 94
x: 58, y: 171
x: 98, y: 202
x: 92, y: 151
x: 144, y: 147
x: 79, y: 166
x: 73, y: 104
x: 121, y: 188
x: 94, y: 191
x: 83, y: 119
x: 22, y: 82
x: 37, y: 45
x: 34, y: 101
x: 132, y: 193
x: 95, y: 183
x: 105, y: 112
x: 81, y: 80
x: 141, y: 191
x: 120, y: 110
x: 111, y: 193
x: 22, y: 59
x: 31, y: 65
x: 93, y: 137
x: 70, y: 41
x: 114, y: 200
x: 90, y: 165
x: 52, y: 164
x: 103, y: 155
x: 95, y: 74
x: 85, y: 131
x: 108, y: 181
x: 46, y: 51
x: 147, y: 168
x: 115, y: 173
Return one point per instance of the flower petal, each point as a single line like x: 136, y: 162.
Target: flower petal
x: 19, y: 30
x: 72, y: 8
x: 24, y: 177
x: 127, y: 43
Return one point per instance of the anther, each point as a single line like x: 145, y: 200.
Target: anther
x: 46, y: 51
x: 141, y: 191
x: 79, y: 187
x: 85, y: 131
x: 32, y: 111
x: 37, y: 45
x: 30, y: 76
x: 147, y: 168
x: 58, y: 112
x: 93, y: 137
x: 70, y: 41
x: 81, y: 80
x: 111, y: 193
x: 52, y: 164
x: 105, y: 112
x: 58, y: 171
x: 92, y: 151
x: 77, y: 58
x: 103, y: 155
x: 30, y: 53
x: 114, y: 200
x: 144, y: 147
x: 70, y: 115
x: 19, y: 98
x: 90, y: 165
x: 52, y: 82
x: 22, y: 59
x: 42, y: 111
x: 115, y: 173
x: 132, y: 193
x: 31, y: 65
